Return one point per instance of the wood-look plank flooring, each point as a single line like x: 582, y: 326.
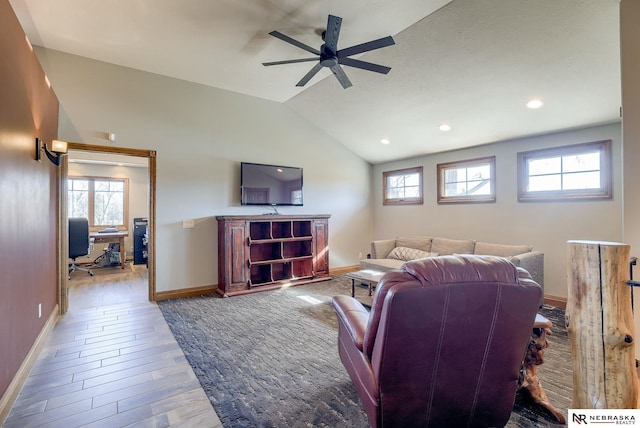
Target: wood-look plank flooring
x: 111, y: 361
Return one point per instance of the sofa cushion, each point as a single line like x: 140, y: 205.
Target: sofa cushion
x: 501, y: 250
x: 452, y: 246
x: 406, y: 254
x: 419, y: 243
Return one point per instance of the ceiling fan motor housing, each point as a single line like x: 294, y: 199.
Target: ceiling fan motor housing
x: 327, y: 57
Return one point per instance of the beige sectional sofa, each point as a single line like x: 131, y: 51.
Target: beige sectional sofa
x: 388, y: 254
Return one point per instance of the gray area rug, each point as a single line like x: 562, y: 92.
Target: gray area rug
x: 271, y: 360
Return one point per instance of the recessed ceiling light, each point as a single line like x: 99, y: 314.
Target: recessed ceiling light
x: 445, y: 127
x: 385, y: 141
x: 535, y: 103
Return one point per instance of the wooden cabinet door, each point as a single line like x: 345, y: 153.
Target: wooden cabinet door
x: 321, y: 247
x: 235, y: 250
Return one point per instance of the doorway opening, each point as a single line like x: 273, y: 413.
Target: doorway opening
x: 121, y: 254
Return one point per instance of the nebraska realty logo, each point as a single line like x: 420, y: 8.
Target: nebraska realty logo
x: 600, y: 417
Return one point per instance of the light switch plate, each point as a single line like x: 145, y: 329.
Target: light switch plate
x: 188, y: 224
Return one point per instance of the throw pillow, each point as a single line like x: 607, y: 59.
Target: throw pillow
x: 406, y: 254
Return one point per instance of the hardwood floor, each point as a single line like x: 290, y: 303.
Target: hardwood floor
x: 111, y: 361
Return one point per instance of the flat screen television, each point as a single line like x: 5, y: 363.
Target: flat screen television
x: 270, y: 184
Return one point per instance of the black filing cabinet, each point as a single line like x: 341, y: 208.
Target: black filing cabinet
x: 140, y: 241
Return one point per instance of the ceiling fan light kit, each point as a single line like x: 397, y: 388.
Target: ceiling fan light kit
x: 333, y: 58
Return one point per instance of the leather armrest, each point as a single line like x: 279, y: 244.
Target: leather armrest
x: 353, y: 316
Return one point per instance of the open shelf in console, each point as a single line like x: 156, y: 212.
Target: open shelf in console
x: 302, y: 268
x: 281, y: 271
x: 301, y: 228
x: 281, y: 229
x: 260, y: 274
x: 259, y: 230
x: 265, y: 251
x: 292, y: 249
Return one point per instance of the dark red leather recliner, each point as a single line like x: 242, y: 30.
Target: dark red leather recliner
x: 443, y: 343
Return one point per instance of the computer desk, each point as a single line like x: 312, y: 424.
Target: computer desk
x: 113, y: 237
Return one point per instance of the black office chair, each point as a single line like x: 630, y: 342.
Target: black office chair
x: 78, y: 243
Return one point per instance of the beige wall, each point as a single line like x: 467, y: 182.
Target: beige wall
x: 201, y: 134
x: 546, y: 226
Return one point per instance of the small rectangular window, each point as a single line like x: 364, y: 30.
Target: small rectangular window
x: 402, y: 187
x: 580, y: 171
x: 467, y: 181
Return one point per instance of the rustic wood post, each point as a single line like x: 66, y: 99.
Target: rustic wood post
x: 599, y: 322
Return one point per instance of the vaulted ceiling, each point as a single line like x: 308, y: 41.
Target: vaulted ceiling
x: 471, y: 64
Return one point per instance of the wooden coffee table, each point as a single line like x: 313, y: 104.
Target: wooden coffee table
x: 366, y: 276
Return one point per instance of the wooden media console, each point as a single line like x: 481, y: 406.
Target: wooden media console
x: 264, y: 252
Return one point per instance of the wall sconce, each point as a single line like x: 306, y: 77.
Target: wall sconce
x: 58, y: 148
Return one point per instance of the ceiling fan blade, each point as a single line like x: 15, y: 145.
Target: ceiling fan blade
x: 333, y: 32
x: 364, y: 65
x: 294, y: 42
x: 365, y: 47
x: 341, y: 76
x: 289, y: 61
x: 310, y: 75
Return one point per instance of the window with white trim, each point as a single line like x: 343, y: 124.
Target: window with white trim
x: 576, y: 172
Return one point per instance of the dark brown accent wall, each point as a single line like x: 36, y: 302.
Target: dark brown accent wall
x: 28, y: 197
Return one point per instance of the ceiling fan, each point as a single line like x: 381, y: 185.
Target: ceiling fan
x: 330, y: 56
